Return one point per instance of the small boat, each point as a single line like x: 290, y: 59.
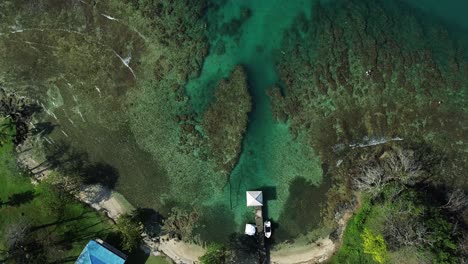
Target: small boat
x: 267, y: 227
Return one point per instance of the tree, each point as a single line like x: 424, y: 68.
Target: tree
x: 371, y: 179
x: 19, y: 110
x: 181, y: 223
x: 403, y: 165
x: 16, y: 233
x: 130, y: 229
x: 457, y: 200
x: 374, y: 245
x: 398, y: 165
x: 215, y: 254
x: 23, y: 246
x: 7, y: 131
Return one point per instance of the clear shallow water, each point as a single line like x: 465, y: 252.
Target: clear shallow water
x: 271, y: 159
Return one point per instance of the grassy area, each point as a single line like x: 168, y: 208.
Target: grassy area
x: 352, y: 249
x: 57, y: 227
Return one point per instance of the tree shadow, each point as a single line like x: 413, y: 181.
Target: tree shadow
x: 19, y: 110
x: 61, y: 221
x: 43, y: 129
x: 151, y: 219
x: 302, y: 210
x: 18, y: 199
x: 100, y: 173
x: 137, y: 257
x: 67, y: 160
x: 245, y: 249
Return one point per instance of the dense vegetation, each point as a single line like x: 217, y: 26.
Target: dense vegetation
x: 380, y: 91
x: 404, y: 216
x: 40, y: 223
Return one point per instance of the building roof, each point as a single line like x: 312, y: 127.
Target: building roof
x: 254, y: 198
x: 250, y: 229
x: 96, y: 253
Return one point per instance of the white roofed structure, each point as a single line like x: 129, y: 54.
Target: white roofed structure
x: 250, y: 229
x: 254, y: 198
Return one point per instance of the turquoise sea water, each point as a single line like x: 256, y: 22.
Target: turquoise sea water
x: 246, y: 32
x: 271, y: 159
x: 250, y: 33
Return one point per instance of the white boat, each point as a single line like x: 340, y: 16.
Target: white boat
x: 267, y: 227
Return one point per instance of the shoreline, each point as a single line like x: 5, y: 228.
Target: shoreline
x: 114, y: 205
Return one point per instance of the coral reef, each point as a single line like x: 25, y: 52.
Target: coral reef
x: 369, y: 69
x: 225, y: 121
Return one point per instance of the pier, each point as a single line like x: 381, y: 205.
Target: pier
x: 255, y: 200
x: 259, y: 219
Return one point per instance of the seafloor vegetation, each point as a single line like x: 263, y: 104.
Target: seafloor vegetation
x: 366, y: 73
x: 182, y: 106
x: 108, y: 82
x: 361, y: 72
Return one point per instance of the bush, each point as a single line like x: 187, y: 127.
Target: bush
x: 352, y: 250
x: 374, y: 245
x: 130, y: 230
x: 215, y: 254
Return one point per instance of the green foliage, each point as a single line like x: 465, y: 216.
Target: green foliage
x: 7, y: 131
x: 181, y: 223
x: 442, y: 236
x: 374, y: 245
x: 43, y: 225
x: 400, y: 219
x: 215, y: 254
x: 130, y: 230
x: 352, y: 248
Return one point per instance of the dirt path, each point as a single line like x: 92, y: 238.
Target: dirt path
x: 317, y: 252
x: 102, y: 198
x: 181, y: 252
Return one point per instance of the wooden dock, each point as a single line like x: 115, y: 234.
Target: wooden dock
x: 261, y: 235
x: 255, y: 200
x: 259, y: 219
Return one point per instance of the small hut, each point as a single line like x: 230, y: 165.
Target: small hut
x: 254, y: 198
x: 250, y: 229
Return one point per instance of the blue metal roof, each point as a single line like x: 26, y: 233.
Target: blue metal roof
x: 95, y: 253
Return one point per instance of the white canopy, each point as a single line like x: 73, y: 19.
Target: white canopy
x: 250, y: 229
x: 254, y: 198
